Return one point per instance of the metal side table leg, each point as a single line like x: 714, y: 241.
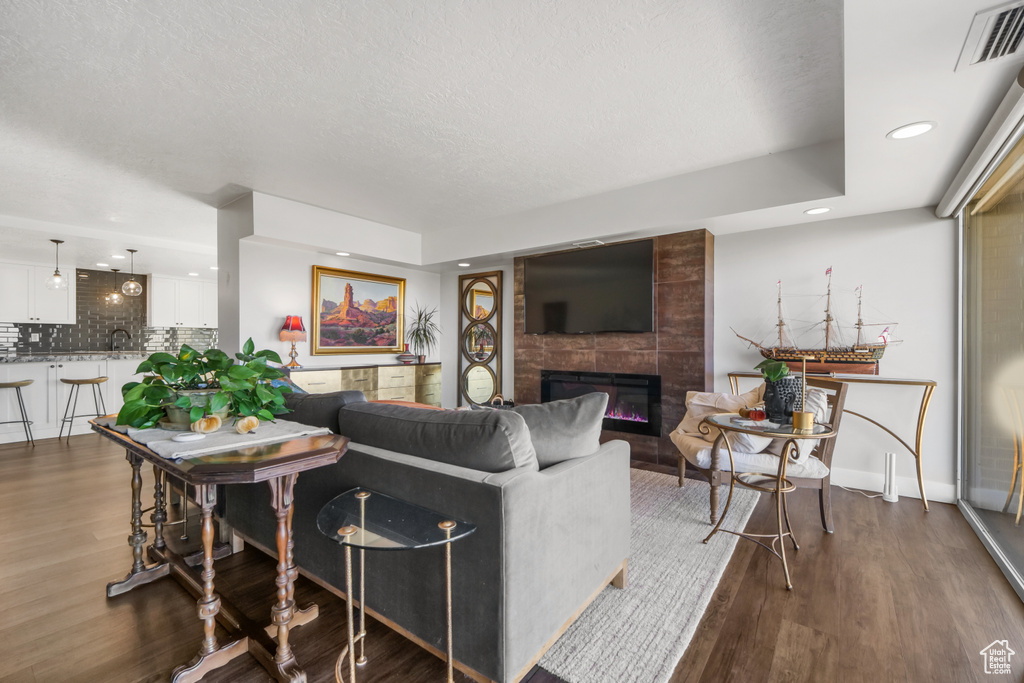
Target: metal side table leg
x: 447, y: 526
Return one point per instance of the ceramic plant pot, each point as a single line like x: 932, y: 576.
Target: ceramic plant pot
x: 199, y: 397
x: 781, y: 398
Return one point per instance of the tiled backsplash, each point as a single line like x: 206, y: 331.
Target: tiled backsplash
x: 97, y: 319
x: 8, y: 339
x: 171, y: 338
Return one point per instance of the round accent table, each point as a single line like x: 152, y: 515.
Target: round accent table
x: 368, y: 520
x: 758, y: 481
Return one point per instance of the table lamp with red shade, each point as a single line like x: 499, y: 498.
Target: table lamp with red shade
x: 293, y: 331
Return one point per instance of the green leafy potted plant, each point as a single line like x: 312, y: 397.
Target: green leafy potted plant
x: 183, y: 389
x: 781, y: 390
x: 422, y: 332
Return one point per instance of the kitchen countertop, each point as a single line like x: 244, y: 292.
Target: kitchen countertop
x: 59, y: 356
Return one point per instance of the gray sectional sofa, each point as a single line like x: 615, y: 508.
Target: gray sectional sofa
x: 550, y: 503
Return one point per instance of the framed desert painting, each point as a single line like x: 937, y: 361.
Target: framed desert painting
x: 356, y: 312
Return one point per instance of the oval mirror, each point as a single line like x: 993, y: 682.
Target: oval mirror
x: 480, y: 300
x: 478, y: 383
x: 479, y: 342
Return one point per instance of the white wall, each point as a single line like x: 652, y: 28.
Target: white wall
x: 276, y: 281
x: 907, y: 262
x: 287, y: 221
x: 450, y: 327
x: 234, y: 222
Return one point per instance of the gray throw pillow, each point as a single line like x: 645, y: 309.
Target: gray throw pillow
x: 319, y: 410
x: 566, y: 429
x: 485, y: 440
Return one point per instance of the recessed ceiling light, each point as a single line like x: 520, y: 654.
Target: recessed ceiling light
x: 817, y: 210
x: 911, y: 130
x: 118, y: 256
x: 465, y: 265
x: 103, y: 265
x: 194, y: 274
x: 342, y: 253
x: 213, y: 267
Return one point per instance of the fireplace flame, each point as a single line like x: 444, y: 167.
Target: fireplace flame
x: 618, y: 413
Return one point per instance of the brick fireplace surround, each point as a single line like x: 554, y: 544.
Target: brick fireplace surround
x: 679, y: 349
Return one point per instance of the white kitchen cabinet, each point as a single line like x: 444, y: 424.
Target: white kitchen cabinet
x: 163, y: 302
x: 27, y: 300
x: 190, y: 301
x: 46, y: 398
x: 56, y: 306
x: 38, y: 398
x: 14, y: 283
x: 209, y: 305
x: 119, y: 372
x: 177, y: 302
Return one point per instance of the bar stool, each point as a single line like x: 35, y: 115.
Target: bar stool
x: 72, y: 405
x: 25, y: 422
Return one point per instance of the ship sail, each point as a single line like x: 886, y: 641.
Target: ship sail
x: 868, y: 341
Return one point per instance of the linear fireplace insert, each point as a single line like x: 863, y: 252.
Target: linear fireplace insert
x: 634, y: 401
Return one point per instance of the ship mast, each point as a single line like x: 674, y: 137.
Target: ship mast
x: 781, y: 323
x: 860, y: 321
x: 828, y: 309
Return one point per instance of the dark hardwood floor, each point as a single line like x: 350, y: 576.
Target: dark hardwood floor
x: 894, y: 594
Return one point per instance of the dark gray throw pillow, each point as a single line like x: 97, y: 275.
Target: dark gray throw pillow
x: 485, y: 440
x: 566, y: 429
x: 319, y: 410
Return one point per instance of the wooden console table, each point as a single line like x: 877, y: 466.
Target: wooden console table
x: 277, y: 464
x: 928, y: 386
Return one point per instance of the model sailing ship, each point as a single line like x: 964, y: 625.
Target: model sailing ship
x: 867, y: 348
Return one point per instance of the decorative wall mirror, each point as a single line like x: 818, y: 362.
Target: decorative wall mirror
x: 479, y: 337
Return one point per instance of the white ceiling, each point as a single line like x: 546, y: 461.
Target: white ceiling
x: 446, y: 118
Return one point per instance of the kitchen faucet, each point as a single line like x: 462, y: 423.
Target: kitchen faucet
x: 113, y: 347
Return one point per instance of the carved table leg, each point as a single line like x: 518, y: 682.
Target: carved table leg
x: 159, y: 515
x: 210, y: 655
x: 716, y: 476
x: 281, y: 491
x: 308, y: 613
x: 139, y: 574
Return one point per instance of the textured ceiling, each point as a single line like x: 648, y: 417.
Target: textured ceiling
x: 144, y: 116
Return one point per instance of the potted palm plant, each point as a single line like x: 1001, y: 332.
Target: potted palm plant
x: 422, y: 332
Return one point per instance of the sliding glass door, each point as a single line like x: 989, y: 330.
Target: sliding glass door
x: 993, y: 398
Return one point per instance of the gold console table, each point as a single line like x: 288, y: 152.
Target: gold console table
x: 928, y: 386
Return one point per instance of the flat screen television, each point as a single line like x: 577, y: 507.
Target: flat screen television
x: 602, y: 289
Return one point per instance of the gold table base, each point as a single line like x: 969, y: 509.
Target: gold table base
x: 348, y: 652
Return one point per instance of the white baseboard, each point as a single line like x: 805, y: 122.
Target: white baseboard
x: 939, y: 492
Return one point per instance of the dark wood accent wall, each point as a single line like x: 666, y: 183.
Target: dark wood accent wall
x: 680, y: 348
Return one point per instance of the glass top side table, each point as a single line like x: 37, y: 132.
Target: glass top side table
x: 368, y: 520
x: 764, y: 482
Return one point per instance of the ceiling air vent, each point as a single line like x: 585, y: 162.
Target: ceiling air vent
x: 587, y: 243
x: 994, y: 33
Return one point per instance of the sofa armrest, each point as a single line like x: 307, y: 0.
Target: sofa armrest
x: 567, y: 529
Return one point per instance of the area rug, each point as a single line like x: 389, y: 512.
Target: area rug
x: 640, y: 634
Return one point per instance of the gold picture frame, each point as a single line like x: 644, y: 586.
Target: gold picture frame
x: 372, y: 321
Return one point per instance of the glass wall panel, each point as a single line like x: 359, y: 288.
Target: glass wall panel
x: 994, y: 358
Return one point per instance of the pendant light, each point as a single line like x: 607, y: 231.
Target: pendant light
x: 56, y: 281
x: 132, y: 286
x: 115, y: 296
